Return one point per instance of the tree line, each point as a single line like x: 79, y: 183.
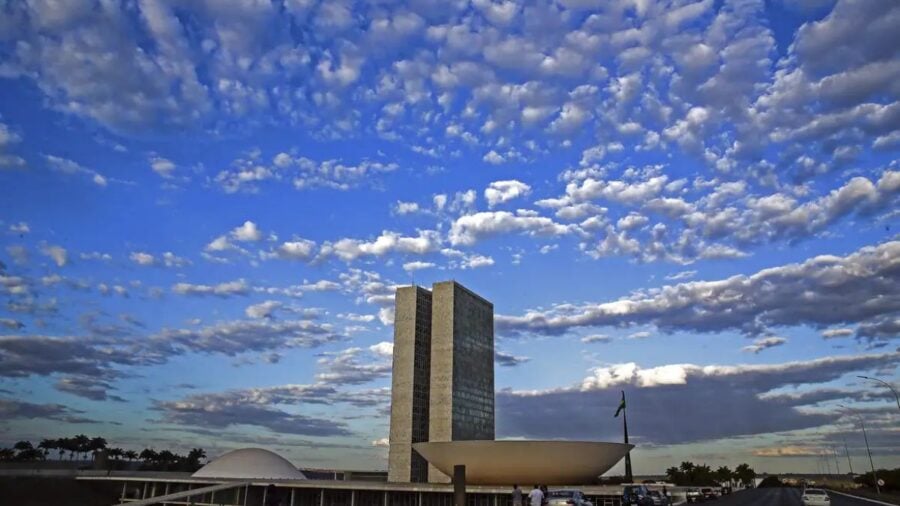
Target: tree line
x: 82, y: 446
x: 689, y: 474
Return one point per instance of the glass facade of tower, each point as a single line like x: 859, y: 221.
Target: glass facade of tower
x: 473, y: 366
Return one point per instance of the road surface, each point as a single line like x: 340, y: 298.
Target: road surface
x: 779, y: 497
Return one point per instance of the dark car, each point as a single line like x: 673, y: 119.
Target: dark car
x: 693, y: 495
x: 636, y: 494
x: 708, y: 494
x: 658, y: 498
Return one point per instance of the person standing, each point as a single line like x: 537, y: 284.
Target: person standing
x: 536, y: 497
x: 516, y: 496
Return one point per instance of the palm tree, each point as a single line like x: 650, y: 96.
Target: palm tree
x: 95, y: 445
x: 46, y: 445
x: 7, y: 454
x: 82, y: 444
x: 745, y: 474
x: 675, y: 475
x: 131, y: 455
x: 149, y: 455
x: 23, y: 446
x: 67, y: 444
x: 724, y: 475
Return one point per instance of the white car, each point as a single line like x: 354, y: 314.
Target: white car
x: 815, y: 497
x: 567, y: 498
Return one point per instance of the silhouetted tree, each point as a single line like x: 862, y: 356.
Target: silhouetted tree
x: 745, y: 474
x: 82, y: 444
x: 724, y: 475
x: 46, y: 445
x: 95, y: 445
x: 149, y: 455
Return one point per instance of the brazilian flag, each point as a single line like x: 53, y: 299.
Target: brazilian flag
x: 621, y: 406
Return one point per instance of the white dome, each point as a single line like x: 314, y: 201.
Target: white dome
x: 251, y: 464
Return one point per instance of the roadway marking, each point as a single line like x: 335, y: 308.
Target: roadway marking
x: 862, y: 498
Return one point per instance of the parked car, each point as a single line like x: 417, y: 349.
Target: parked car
x: 693, y: 495
x: 708, y: 493
x: 567, y: 497
x: 636, y: 494
x: 815, y: 497
x: 658, y: 498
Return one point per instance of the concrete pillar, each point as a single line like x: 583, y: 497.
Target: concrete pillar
x: 352, y: 498
x: 386, y: 498
x: 459, y: 485
x: 322, y: 497
x: 292, y: 496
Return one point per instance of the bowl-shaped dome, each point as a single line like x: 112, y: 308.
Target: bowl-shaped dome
x: 250, y: 464
x: 525, y: 462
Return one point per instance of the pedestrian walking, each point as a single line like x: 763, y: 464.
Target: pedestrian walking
x: 536, y: 497
x: 516, y: 496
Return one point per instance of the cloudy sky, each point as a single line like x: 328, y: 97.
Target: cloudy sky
x: 207, y: 207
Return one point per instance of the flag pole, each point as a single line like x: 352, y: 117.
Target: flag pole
x: 628, y: 476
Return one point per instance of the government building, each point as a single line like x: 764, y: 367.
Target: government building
x: 443, y: 375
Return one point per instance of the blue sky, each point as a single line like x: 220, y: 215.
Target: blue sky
x: 208, y: 206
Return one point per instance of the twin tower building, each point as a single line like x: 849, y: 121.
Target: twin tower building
x: 443, y: 374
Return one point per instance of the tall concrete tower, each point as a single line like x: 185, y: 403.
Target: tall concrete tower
x: 409, y: 383
x: 462, y: 368
x: 443, y: 374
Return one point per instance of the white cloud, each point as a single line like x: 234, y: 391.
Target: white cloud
x: 596, y: 338
x: 775, y: 297
x: 353, y: 317
x: 417, y: 265
x: 764, y: 344
x: 469, y: 229
x: 141, y: 258
x: 19, y: 228
x: 499, y: 192
x: 493, y: 158
x: 162, y: 166
x: 681, y: 275
x: 170, y: 259
x: 226, y: 289
x: 386, y: 316
x: 247, y: 232
x: 839, y: 332
x: 67, y: 166
x: 57, y: 253
x: 403, y: 208
x: 388, y: 242
x: 297, y: 249
x: 323, y: 285
x: 383, y: 349
x: 439, y: 201
x: 263, y: 309
x: 476, y: 261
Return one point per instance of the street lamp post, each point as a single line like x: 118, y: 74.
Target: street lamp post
x: 868, y: 451
x: 885, y: 383
x: 849, y: 462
